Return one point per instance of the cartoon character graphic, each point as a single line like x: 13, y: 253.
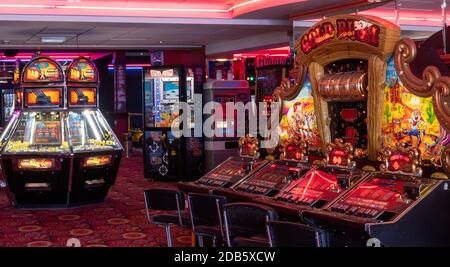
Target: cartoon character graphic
x: 415, y: 121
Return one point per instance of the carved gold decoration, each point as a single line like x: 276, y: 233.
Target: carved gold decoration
x: 409, y: 167
x: 300, y: 152
x: 341, y: 151
x: 249, y: 146
x: 432, y: 84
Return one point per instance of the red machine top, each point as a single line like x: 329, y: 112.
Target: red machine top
x: 42, y: 70
x: 82, y: 70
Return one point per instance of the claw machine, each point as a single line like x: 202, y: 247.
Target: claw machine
x: 168, y: 155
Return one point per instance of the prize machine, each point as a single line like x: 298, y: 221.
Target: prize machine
x: 225, y: 142
x: 322, y: 184
x: 350, y: 86
x: 231, y: 171
x: 96, y: 151
x: 55, y: 148
x: 170, y: 155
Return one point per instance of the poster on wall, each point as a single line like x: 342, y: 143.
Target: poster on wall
x: 409, y: 118
x: 298, y: 117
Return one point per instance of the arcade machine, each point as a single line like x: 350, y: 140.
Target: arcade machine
x: 169, y: 155
x: 231, y: 171
x: 348, y: 59
x: 225, y: 142
x: 396, y: 206
x: 320, y: 185
x: 340, y: 72
x: 51, y: 148
x: 96, y: 152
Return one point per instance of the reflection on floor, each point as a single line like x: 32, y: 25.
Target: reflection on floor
x: 119, y: 221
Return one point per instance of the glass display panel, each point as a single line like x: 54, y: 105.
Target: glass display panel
x: 38, y: 132
x: 89, y: 131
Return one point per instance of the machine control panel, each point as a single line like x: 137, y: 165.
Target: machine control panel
x: 381, y: 196
x: 231, y: 171
x: 319, y: 186
x: 273, y: 177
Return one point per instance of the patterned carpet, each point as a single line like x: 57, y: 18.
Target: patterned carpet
x: 118, y: 222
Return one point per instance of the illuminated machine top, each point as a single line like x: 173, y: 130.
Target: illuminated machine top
x: 82, y: 70
x: 82, y: 82
x: 42, y: 70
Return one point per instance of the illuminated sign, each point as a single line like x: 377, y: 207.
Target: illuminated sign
x: 82, y: 71
x: 357, y: 30
x: 43, y: 70
x: 96, y: 161
x: 262, y: 61
x: 35, y: 164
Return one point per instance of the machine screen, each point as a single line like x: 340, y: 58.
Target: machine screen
x: 171, y: 90
x: 272, y: 178
x: 230, y: 171
x: 378, y: 194
x: 47, y: 132
x: 317, y: 187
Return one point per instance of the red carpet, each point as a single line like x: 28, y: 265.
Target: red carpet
x: 119, y: 221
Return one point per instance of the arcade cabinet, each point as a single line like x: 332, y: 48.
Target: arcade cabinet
x: 219, y: 148
x: 57, y: 149
x: 169, y: 155
x: 396, y: 206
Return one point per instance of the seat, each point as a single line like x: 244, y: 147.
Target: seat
x: 289, y: 234
x: 167, y: 206
x: 245, y: 224
x: 206, y: 216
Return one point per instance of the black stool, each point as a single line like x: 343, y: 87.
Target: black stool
x: 166, y: 200
x: 289, y: 234
x: 245, y: 224
x: 206, y: 216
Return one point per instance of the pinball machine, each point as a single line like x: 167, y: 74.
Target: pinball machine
x: 57, y: 149
x: 231, y: 171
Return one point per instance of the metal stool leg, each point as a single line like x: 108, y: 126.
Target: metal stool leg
x: 200, y: 241
x: 168, y: 237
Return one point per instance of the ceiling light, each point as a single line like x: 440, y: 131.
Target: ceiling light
x: 53, y: 39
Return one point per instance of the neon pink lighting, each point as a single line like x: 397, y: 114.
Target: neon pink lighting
x: 142, y: 9
x: 242, y: 4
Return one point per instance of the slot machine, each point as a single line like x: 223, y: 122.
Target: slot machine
x: 168, y: 155
x: 49, y: 140
x: 226, y: 144
x: 233, y: 170
x: 396, y: 206
x: 320, y: 185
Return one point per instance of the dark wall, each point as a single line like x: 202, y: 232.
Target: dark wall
x: 134, y: 95
x: 106, y: 91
